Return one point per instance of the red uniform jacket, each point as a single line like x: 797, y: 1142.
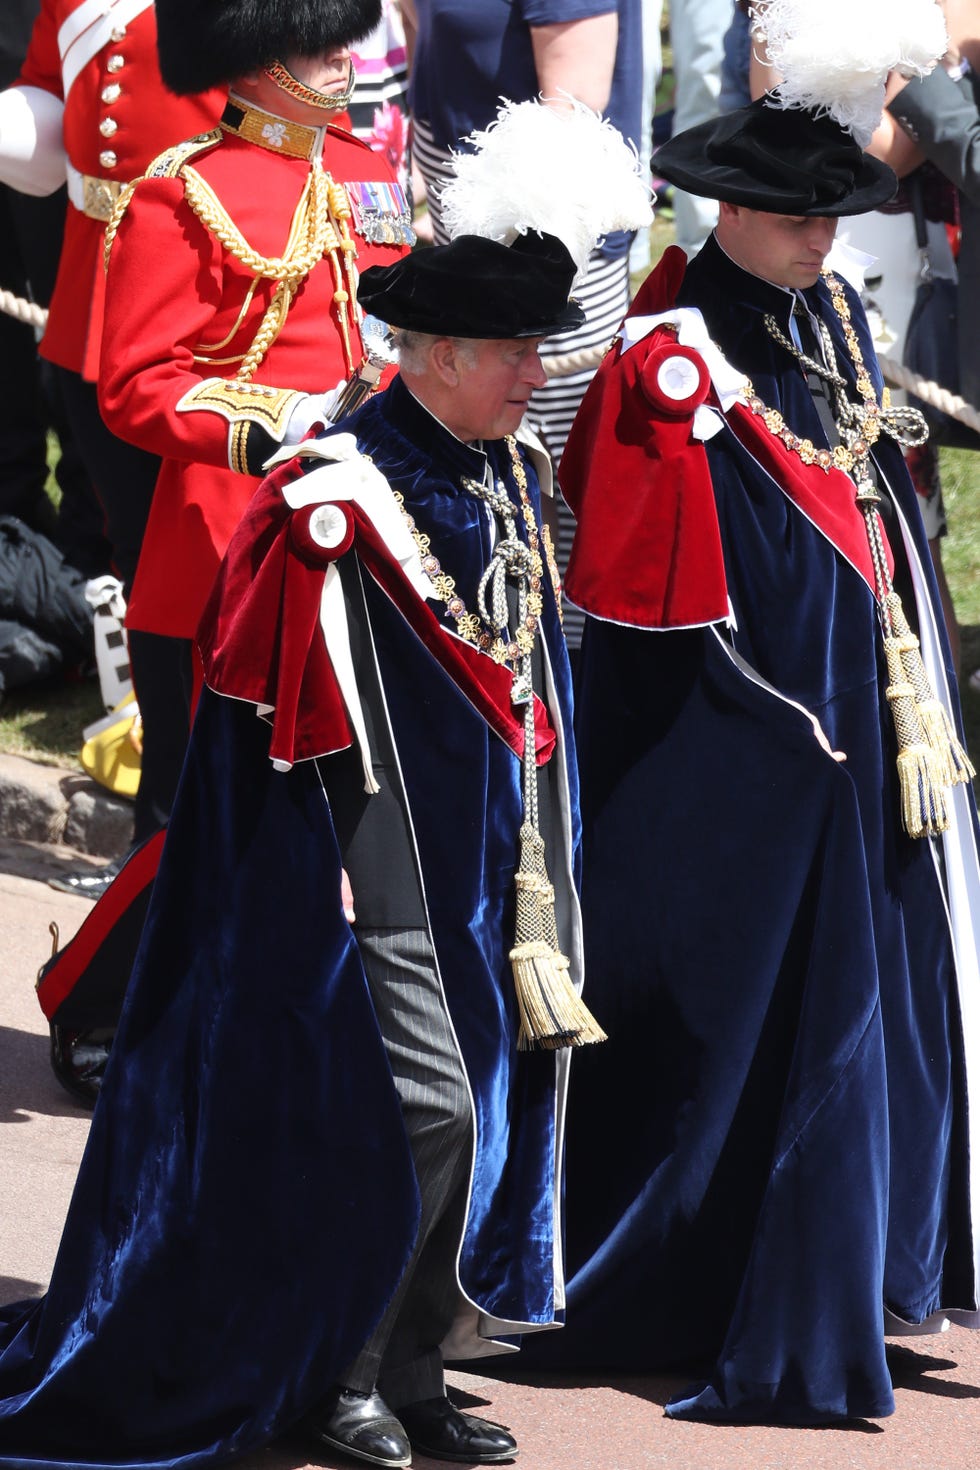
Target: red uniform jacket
x: 131, y: 126
x: 173, y: 288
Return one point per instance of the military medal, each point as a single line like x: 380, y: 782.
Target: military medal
x: 381, y: 212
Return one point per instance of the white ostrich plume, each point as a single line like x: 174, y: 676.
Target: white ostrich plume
x: 560, y: 170
x: 834, y: 55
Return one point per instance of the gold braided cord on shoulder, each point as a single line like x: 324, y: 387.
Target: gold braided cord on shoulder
x: 115, y: 219
x: 213, y: 214
x: 166, y: 165
x: 319, y: 228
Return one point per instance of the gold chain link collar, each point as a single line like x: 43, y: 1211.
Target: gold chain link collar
x: 471, y: 625
x: 866, y: 421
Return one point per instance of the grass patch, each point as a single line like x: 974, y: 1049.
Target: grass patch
x: 44, y: 721
x: 960, y: 469
x: 961, y: 548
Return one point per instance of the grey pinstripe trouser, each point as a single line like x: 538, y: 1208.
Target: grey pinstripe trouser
x: 402, y: 1357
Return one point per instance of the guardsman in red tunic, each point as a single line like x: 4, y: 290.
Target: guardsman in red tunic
x: 230, y: 310
x: 232, y: 277
x: 90, y: 103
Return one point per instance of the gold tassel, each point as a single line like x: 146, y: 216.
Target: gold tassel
x: 922, y: 789
x: 956, y: 766
x: 923, y: 802
x: 953, y: 765
x: 552, y: 1015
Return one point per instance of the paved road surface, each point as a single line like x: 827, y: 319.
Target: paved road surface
x: 563, y: 1424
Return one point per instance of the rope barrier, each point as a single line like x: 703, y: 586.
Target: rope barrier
x: 556, y: 367
x: 932, y: 393
x: 573, y: 362
x: 893, y: 372
x: 565, y: 365
x: 23, y: 311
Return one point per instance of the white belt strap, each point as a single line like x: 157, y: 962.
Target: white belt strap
x: 76, y: 187
x: 87, y: 30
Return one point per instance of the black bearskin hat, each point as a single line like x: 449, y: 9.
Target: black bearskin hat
x: 205, y: 43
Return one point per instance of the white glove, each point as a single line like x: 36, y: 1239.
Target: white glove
x: 32, y: 150
x: 314, y: 408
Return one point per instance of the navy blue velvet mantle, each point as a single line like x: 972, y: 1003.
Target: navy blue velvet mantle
x: 771, y: 1147
x: 246, y: 1202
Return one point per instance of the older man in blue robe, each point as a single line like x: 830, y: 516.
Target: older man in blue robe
x: 321, y: 1162
x: 769, y: 1167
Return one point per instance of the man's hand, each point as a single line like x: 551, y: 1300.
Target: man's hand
x: 346, y: 896
x: 963, y: 25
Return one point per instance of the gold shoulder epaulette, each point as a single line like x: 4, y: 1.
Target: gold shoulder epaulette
x: 166, y: 165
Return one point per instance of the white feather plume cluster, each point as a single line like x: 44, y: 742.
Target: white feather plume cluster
x: 834, y: 55
x: 559, y: 170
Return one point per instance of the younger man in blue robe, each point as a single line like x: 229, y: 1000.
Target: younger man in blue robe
x: 788, y: 975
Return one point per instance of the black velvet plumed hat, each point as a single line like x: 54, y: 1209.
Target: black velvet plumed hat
x: 207, y: 43
x: 474, y: 287
x: 783, y: 161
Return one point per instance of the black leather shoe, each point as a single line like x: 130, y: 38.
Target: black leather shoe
x: 78, y: 1059
x: 435, y: 1427
x: 87, y: 882
x: 362, y: 1425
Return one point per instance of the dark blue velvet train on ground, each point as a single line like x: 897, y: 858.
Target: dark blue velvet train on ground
x: 247, y: 1201
x: 772, y: 1149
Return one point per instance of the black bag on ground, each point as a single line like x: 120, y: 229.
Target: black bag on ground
x: 25, y: 656
x: 39, y: 590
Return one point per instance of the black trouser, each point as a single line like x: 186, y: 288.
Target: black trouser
x: 30, y: 402
x: 162, y: 671
x: 124, y: 478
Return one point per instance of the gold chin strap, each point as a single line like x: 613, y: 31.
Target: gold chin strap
x: 285, y: 80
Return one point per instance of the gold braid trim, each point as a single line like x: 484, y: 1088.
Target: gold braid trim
x: 115, y: 220
x: 320, y: 228
x: 166, y: 165
x: 253, y: 403
x: 238, y: 447
x: 313, y: 235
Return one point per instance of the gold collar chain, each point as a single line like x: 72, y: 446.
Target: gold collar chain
x: 483, y: 632
x: 930, y: 759
x: 862, y: 424
x: 552, y: 1015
